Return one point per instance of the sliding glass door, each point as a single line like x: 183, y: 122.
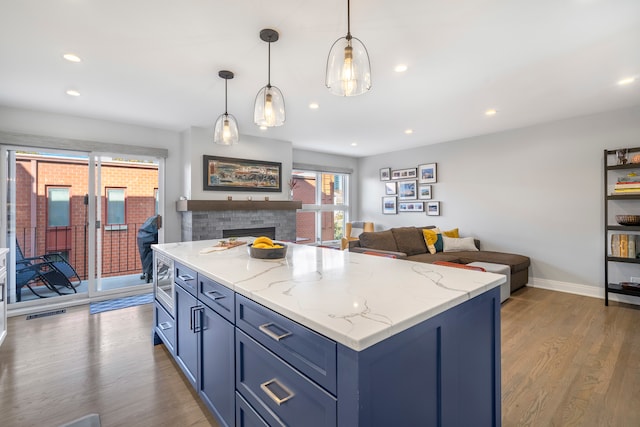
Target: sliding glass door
x: 325, y: 204
x: 73, y: 221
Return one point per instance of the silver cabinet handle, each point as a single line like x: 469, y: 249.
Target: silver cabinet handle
x: 165, y: 325
x: 185, y: 277
x: 265, y: 329
x: 272, y: 387
x: 214, y: 295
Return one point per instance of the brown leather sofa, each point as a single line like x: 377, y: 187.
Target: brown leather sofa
x: 409, y: 243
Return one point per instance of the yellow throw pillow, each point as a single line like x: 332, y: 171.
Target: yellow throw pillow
x: 430, y: 238
x: 452, y: 233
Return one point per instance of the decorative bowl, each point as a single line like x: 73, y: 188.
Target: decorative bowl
x: 628, y: 219
x: 268, y: 253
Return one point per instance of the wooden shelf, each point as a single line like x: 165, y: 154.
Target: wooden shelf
x: 616, y: 288
x: 623, y: 197
x: 237, y: 205
x: 623, y: 227
x: 621, y: 259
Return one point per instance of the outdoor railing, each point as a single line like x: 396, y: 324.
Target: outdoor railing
x: 120, y: 254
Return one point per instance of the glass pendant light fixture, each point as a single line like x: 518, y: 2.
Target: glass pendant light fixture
x: 348, y: 66
x: 269, y: 107
x: 225, y: 131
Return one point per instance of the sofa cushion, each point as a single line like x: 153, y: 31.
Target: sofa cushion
x: 379, y: 240
x: 409, y: 240
x: 517, y: 262
x: 433, y: 240
x: 456, y: 245
x: 440, y: 256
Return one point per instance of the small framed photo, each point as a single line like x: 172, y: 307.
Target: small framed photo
x: 390, y: 188
x: 407, y: 190
x: 413, y: 206
x: 424, y: 192
x: 404, y: 173
x: 389, y: 205
x: 433, y: 208
x: 427, y: 173
x: 385, y: 174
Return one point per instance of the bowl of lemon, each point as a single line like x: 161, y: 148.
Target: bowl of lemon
x: 265, y: 248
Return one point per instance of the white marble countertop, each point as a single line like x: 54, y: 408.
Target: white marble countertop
x: 355, y: 299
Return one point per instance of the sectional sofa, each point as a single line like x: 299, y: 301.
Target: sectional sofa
x: 411, y: 243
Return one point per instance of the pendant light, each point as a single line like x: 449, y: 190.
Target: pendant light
x: 348, y: 67
x: 269, y: 107
x: 225, y: 131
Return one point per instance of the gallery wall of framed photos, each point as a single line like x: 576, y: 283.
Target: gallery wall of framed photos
x: 410, y: 190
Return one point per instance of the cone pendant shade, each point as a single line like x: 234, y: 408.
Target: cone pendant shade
x: 269, y: 106
x: 225, y: 131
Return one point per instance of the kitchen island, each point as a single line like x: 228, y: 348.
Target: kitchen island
x: 326, y: 337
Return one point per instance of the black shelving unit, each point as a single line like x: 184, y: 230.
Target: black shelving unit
x: 617, y: 288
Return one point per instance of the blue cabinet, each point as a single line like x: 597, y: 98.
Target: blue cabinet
x: 216, y: 379
x: 187, y: 323
x: 205, y: 340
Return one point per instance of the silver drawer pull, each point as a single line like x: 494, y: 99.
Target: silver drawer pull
x: 265, y: 329
x: 214, y: 295
x: 185, y: 277
x: 272, y: 388
x: 165, y: 325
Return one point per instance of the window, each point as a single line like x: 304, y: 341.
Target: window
x: 58, y: 208
x: 325, y: 202
x: 115, y: 206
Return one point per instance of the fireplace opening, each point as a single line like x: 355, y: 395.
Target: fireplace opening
x: 270, y: 232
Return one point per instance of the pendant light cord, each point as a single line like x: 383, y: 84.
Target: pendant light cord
x: 348, y: 20
x: 225, y: 97
x: 269, y: 66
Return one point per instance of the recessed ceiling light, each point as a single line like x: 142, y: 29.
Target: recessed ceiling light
x: 400, y: 68
x: 263, y: 127
x: 491, y: 112
x: 626, y: 81
x: 71, y: 57
x: 408, y: 131
x: 314, y: 106
x: 354, y: 144
x: 72, y: 92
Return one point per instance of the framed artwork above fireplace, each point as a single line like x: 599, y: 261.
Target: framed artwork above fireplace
x: 230, y: 174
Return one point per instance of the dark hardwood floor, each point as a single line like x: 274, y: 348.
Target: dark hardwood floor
x: 567, y: 360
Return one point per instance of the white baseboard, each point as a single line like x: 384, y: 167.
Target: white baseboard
x: 580, y: 289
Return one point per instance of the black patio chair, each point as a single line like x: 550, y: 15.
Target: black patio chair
x: 50, y: 270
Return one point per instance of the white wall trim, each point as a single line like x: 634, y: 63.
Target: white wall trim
x: 580, y: 289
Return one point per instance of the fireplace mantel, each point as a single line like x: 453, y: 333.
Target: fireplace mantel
x: 236, y: 205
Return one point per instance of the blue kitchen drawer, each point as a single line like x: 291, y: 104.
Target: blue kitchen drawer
x: 217, y: 297
x: 186, y: 277
x: 308, y: 351
x: 165, y: 326
x: 277, y: 391
x: 246, y: 416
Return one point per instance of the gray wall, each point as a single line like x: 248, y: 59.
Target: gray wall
x: 101, y: 131
x: 537, y: 191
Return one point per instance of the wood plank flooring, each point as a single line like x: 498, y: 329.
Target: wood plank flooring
x: 59, y: 368
x: 567, y: 360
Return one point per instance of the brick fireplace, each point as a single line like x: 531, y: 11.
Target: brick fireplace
x: 208, y: 219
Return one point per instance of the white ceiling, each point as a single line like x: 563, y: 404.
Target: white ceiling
x: 155, y: 63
